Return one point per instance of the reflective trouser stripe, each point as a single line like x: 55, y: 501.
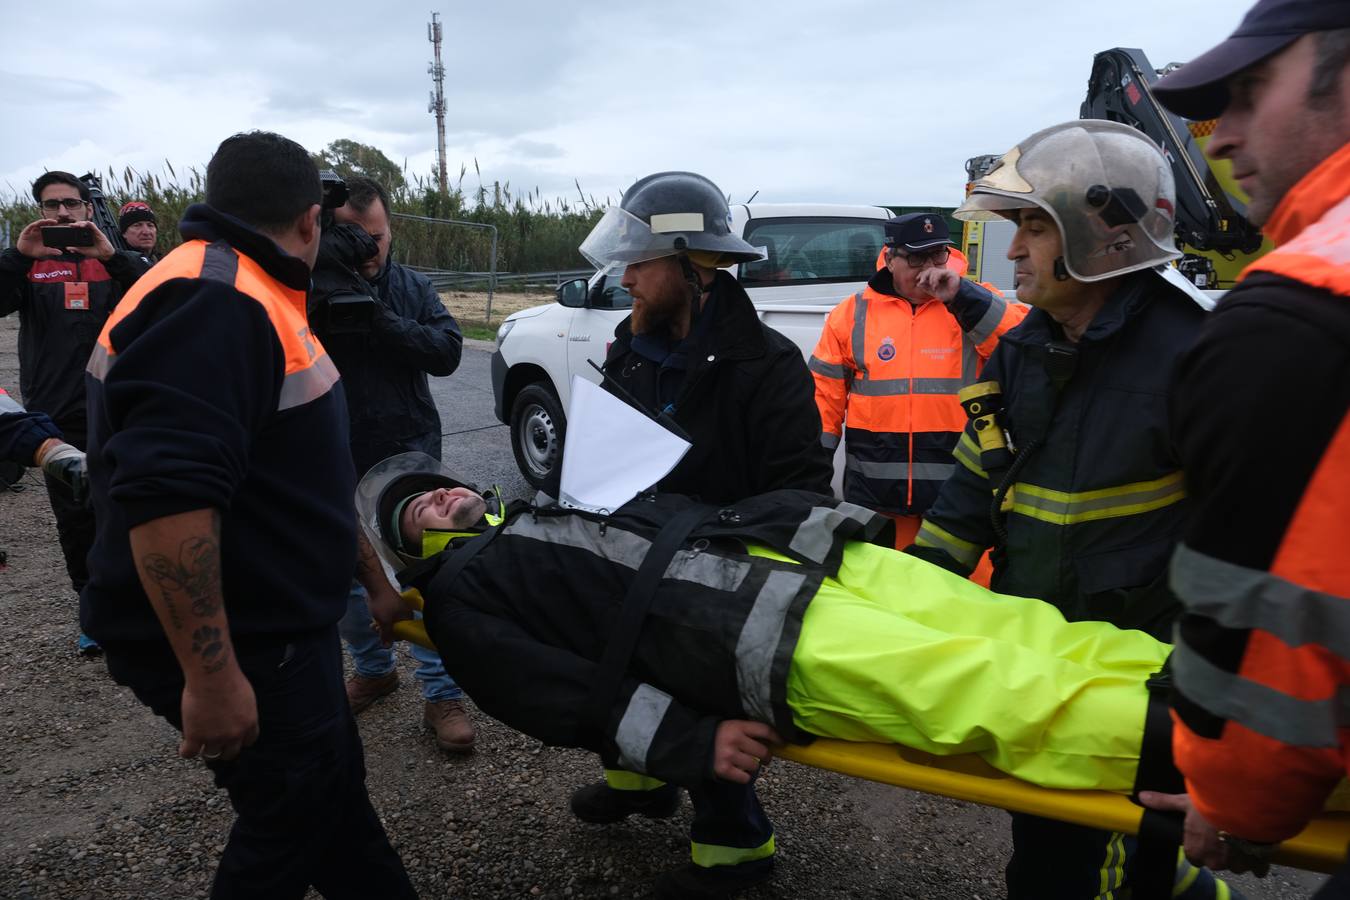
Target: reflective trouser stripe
x: 623, y: 780
x: 1073, y: 507
x: 938, y: 538
x: 1113, y: 868
x: 709, y: 855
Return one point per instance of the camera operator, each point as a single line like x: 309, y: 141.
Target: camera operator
x: 387, y: 330
x: 63, y: 295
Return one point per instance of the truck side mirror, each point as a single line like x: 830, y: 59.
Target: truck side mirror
x: 573, y: 293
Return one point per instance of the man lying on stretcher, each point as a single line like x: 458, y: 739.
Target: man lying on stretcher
x: 772, y: 619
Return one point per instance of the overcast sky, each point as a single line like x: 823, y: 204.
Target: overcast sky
x: 854, y: 102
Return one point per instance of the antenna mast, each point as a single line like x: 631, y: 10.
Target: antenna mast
x: 437, y: 104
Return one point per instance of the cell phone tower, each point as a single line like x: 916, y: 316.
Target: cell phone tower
x: 437, y: 104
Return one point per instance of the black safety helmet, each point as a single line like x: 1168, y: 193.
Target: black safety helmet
x: 664, y: 215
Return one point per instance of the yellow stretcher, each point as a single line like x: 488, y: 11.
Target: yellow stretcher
x: 1320, y: 847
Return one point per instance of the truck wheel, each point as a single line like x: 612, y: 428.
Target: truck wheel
x: 537, y: 429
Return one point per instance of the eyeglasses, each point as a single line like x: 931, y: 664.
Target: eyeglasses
x: 937, y: 257
x: 70, y: 203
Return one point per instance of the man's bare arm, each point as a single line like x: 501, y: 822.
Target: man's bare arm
x: 178, y: 560
x: 382, y: 598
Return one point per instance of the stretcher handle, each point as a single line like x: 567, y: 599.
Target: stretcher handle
x: 413, y: 630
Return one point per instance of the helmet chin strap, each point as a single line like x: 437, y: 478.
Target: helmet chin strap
x: 696, y: 288
x: 1061, y: 272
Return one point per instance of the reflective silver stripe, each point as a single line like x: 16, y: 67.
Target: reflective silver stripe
x: 99, y: 362
x: 988, y: 324
x: 882, y: 387
x: 964, y: 552
x: 860, y: 335
x: 308, y: 385
x: 9, y: 405
x: 1238, y: 597
x: 646, y: 708
x: 707, y: 569
x: 829, y: 441
x: 899, y: 471
x: 828, y: 370
x: 936, y: 385
x: 1265, y: 710
x: 629, y: 550
x: 898, y: 387
x: 220, y: 262
x: 758, y: 643
x: 815, y: 536
x: 970, y: 362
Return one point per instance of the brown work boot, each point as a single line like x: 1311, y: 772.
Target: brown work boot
x: 454, y: 731
x: 363, y: 690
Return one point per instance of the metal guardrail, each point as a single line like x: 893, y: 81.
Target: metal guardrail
x: 445, y: 280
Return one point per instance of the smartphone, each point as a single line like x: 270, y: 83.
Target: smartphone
x: 62, y: 236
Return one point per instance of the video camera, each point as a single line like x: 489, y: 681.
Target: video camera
x: 340, y: 300
x: 103, y: 215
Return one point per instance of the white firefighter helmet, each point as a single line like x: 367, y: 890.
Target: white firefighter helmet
x: 1106, y: 185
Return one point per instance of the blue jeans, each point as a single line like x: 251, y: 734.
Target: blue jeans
x: 372, y: 660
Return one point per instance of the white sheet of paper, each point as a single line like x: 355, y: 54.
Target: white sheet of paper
x: 612, y: 452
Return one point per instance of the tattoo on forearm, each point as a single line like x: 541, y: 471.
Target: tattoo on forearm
x: 195, y: 577
x: 366, y: 559
x: 207, y: 643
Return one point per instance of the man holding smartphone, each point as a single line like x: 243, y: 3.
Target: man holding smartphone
x: 63, y: 288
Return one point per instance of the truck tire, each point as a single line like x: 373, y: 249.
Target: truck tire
x: 537, y: 430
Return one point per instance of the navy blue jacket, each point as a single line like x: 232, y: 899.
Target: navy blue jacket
x: 191, y: 414
x: 384, y: 371
x: 1099, y: 504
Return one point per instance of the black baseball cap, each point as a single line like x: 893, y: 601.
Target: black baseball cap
x: 1199, y: 89
x: 916, y: 232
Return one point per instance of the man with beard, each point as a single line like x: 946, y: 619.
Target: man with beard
x: 385, y: 364
x: 695, y: 352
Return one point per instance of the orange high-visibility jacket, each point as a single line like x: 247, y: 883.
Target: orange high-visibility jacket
x: 888, y: 371
x: 1262, y: 665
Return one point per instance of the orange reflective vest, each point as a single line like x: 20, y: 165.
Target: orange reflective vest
x: 1272, y: 735
x: 887, y: 373
x: 309, y: 371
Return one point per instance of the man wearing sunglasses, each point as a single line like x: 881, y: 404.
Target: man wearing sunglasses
x: 891, y: 359
x: 63, y: 296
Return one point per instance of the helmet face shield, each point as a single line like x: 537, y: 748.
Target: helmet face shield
x: 1107, y: 187
x: 621, y: 238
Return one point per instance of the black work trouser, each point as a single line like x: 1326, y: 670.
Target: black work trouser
x: 74, y: 521
x: 303, y: 815
x: 1337, y: 887
x: 1055, y: 860
x: 729, y: 826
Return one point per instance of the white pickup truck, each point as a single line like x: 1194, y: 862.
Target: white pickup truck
x: 816, y: 255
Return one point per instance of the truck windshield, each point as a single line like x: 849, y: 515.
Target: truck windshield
x: 816, y: 249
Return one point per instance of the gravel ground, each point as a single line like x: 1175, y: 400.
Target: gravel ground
x: 94, y: 803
